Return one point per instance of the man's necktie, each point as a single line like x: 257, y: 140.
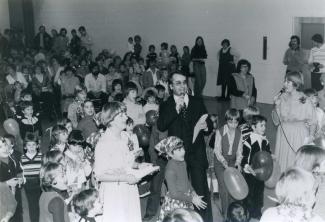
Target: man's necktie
x: 184, y: 111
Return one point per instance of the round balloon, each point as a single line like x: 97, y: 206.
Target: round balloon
x: 262, y: 164
x: 151, y: 117
x: 275, y: 176
x: 11, y: 126
x: 143, y: 134
x: 235, y: 183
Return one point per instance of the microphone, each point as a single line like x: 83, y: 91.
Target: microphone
x: 279, y: 94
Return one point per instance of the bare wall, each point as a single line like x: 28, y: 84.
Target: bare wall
x: 4, y: 15
x: 111, y: 22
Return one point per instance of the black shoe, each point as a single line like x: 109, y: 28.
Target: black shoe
x: 227, y: 98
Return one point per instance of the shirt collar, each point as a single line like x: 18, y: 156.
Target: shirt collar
x: 225, y: 130
x: 257, y: 137
x: 186, y: 99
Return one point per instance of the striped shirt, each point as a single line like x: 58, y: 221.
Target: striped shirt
x: 31, y: 166
x: 318, y: 55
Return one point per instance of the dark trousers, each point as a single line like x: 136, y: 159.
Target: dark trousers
x: 33, y: 193
x: 199, y: 182
x: 200, y: 77
x: 155, y: 188
x: 225, y: 196
x: 254, y: 199
x: 315, y: 81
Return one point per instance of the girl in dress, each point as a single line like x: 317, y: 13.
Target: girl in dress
x: 226, y: 68
x: 295, y: 191
x: 297, y: 120
x: 180, y: 191
x: 118, y: 189
x: 242, y: 86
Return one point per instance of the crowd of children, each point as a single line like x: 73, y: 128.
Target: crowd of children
x: 59, y: 79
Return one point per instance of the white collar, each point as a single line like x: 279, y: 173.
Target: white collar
x: 186, y: 99
x: 257, y: 137
x: 225, y: 130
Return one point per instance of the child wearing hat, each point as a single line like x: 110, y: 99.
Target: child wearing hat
x: 180, y: 191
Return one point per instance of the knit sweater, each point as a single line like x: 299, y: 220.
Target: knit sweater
x: 179, y: 186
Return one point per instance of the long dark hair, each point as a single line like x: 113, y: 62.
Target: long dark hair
x: 198, y: 51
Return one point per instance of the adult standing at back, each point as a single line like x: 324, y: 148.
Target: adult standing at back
x: 295, y: 60
x: 180, y: 114
x: 317, y: 61
x: 198, y: 57
x: 227, y: 57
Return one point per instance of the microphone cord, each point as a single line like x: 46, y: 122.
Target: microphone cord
x: 284, y: 134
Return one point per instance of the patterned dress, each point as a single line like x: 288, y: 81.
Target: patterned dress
x: 296, y: 117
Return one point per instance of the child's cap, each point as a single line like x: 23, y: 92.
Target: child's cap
x: 169, y: 144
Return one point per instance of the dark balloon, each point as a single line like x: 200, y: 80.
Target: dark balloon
x: 151, y: 117
x: 262, y: 164
x: 143, y: 134
x: 235, y: 183
x: 274, y: 178
x: 11, y: 126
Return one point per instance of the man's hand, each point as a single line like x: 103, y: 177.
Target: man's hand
x: 180, y: 104
x: 200, y: 125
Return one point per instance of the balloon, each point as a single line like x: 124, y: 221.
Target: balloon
x: 11, y: 126
x: 276, y: 173
x: 262, y: 164
x: 151, y: 117
x: 235, y: 183
x: 143, y: 134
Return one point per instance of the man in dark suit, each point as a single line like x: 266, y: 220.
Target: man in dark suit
x: 185, y: 116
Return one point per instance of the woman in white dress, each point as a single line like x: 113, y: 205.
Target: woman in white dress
x: 298, y: 120
x: 296, y: 191
x: 118, y: 189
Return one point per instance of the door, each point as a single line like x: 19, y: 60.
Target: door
x: 307, y: 31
